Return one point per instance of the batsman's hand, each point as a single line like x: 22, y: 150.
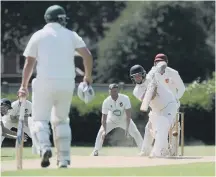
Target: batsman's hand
x: 88, y: 79
x: 23, y: 92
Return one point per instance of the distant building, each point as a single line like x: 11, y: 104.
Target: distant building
x: 12, y: 65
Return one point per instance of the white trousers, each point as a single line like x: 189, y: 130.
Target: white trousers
x: 160, y: 122
x: 51, y: 100
x: 112, y: 124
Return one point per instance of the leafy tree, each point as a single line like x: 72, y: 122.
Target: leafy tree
x: 21, y: 18
x: 182, y: 30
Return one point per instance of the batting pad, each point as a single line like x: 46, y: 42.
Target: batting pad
x: 62, y: 140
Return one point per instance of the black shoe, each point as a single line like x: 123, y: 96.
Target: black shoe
x: 45, y: 159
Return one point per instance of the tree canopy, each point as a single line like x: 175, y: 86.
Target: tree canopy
x: 184, y: 31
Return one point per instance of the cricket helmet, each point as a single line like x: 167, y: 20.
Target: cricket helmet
x: 5, y: 106
x: 161, y: 57
x: 56, y: 13
x: 6, y: 102
x: 137, y: 70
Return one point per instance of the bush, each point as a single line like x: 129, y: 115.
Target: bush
x: 198, y: 103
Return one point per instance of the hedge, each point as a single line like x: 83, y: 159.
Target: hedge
x: 198, y: 103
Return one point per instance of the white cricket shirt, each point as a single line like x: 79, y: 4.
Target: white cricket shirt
x: 163, y: 95
x: 172, y: 79
x: 16, y: 109
x: 116, y: 109
x: 54, y: 48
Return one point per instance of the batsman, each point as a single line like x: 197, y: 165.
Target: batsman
x: 53, y: 48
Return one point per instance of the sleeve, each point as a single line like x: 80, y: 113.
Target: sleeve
x: 179, y: 85
x: 14, y: 111
x: 79, y: 43
x: 150, y: 92
x: 105, y: 108
x: 32, y: 46
x: 151, y: 73
x: 127, y: 103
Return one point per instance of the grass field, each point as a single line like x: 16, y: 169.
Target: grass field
x: 9, y: 153
x: 190, y: 169
x: 195, y: 169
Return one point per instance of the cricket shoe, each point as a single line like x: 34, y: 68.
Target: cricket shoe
x: 162, y: 154
x: 45, y: 158
x: 95, y: 153
x: 63, y: 164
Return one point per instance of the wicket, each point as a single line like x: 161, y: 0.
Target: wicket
x: 179, y: 118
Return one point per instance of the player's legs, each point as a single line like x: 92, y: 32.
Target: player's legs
x: 110, y: 125
x: 42, y: 102
x: 35, y: 143
x: 148, y: 140
x: 60, y: 125
x: 162, y: 127
x: 174, y: 140
x: 170, y: 112
x: 134, y: 132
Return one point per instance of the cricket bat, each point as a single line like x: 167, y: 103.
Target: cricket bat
x: 20, y: 135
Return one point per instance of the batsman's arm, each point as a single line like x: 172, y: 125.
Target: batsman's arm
x: 27, y: 71
x: 149, y: 95
x: 30, y: 54
x: 87, y: 60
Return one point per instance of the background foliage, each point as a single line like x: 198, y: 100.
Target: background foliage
x: 182, y: 30
x: 197, y: 103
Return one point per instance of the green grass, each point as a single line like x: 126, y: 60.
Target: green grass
x: 193, y: 169
x: 9, y: 153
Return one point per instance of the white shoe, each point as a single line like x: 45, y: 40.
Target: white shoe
x: 63, y: 164
x: 163, y: 153
x: 143, y: 153
x: 95, y: 153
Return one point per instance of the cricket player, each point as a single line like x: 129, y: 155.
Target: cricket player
x: 116, y: 112
x: 53, y: 48
x: 5, y: 132
x: 152, y: 92
x: 10, y: 116
x: 173, y: 81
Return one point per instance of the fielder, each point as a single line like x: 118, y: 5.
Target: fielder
x: 53, y: 48
x: 152, y: 92
x: 173, y: 81
x: 10, y: 116
x: 5, y: 132
x: 116, y: 112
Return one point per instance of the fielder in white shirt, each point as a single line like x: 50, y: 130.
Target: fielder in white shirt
x: 116, y: 112
x: 53, y: 48
x: 173, y: 81
x: 5, y: 132
x: 11, y: 118
x: 154, y: 94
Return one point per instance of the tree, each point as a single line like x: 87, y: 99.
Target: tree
x: 177, y: 29
x: 21, y: 18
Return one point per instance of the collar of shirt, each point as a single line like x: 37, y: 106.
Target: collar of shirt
x: 53, y: 25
